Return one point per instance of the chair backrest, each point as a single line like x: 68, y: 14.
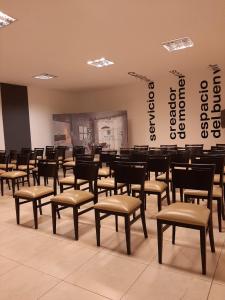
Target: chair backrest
x: 61, y: 151
x: 49, y: 148
x: 193, y: 176
x: 216, y: 160
x: 139, y: 156
x: 78, y: 150
x: 141, y: 147
x: 107, y: 157
x: 220, y: 145
x: 23, y: 159
x: 126, y: 151
x: 87, y: 170
x: 97, y: 149
x: 84, y: 157
x: 39, y: 152
x: 160, y: 163
x: 181, y: 156
x: 194, y: 149
x: 169, y: 147
x: 25, y: 150
x: 51, y: 154
x: 12, y: 155
x: 4, y: 159
x: 47, y: 169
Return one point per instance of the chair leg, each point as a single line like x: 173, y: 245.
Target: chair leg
x: 127, y: 231
x: 40, y: 208
x: 173, y: 234
x: 13, y: 186
x: 168, y: 195
x: 2, y: 186
x: 160, y: 240
x: 98, y: 226
x: 17, y: 205
x: 61, y: 188
x: 219, y: 213
x: 142, y: 209
x: 28, y: 179
x: 58, y: 213
x: 203, y: 249
x: 159, y: 202
x: 35, y: 214
x: 211, y: 237
x: 75, y: 221
x: 116, y: 222
x: 54, y: 218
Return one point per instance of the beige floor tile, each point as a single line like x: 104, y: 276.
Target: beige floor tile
x: 6, y: 265
x: 23, y: 283
x: 187, y: 259
x: 157, y: 284
x: 70, y: 292
x: 27, y: 245
x: 107, y: 275
x: 61, y: 258
x: 217, y: 292
x: 220, y: 270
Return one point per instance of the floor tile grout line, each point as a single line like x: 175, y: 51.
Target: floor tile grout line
x: 51, y: 288
x: 132, y: 284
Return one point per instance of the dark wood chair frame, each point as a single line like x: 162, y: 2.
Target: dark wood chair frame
x: 128, y: 173
x: 193, y: 176
x: 87, y: 170
x: 46, y: 171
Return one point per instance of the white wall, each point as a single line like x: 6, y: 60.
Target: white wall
x: 42, y: 104
x: 2, y: 139
x: 133, y: 98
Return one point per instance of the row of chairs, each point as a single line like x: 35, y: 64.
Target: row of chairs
x: 184, y: 176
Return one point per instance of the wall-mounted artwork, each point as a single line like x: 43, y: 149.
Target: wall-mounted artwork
x: 108, y: 129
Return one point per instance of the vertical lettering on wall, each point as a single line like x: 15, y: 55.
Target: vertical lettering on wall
x: 173, y: 113
x: 151, y: 111
x: 216, y: 108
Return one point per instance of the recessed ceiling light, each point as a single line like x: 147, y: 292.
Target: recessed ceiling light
x: 5, y: 19
x: 44, y: 76
x: 100, y: 63
x: 178, y: 44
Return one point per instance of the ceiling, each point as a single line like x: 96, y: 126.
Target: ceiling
x: 59, y: 37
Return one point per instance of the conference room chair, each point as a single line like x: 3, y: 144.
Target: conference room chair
x: 155, y: 165
x: 39, y: 152
x: 106, y: 159
x: 76, y: 198
x: 218, y: 184
x: 35, y: 194
x: 125, y: 206
x: 189, y: 215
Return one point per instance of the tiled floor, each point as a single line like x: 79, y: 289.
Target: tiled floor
x: 35, y: 264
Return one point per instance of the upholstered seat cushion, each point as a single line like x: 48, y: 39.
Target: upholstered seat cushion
x: 108, y: 183
x: 13, y: 161
x: 32, y: 162
x: 104, y: 171
x: 24, y: 167
x: 69, y: 164
x: 68, y: 159
x: 217, y: 179
x: 35, y: 169
x: 73, y: 197
x: 2, y: 171
x: 162, y: 177
x: 119, y: 203
x: 13, y: 174
x: 70, y: 181
x: 217, y: 192
x: 153, y: 186
x: 97, y: 157
x: 10, y: 166
x: 186, y: 213
x: 34, y: 192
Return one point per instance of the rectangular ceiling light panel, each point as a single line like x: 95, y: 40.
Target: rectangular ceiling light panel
x: 100, y: 63
x: 5, y: 19
x: 178, y: 44
x: 44, y: 76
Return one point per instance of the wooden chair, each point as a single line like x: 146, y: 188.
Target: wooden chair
x: 218, y: 187
x: 39, y: 152
x: 157, y: 164
x: 76, y: 198
x: 189, y: 215
x: 124, y: 205
x: 35, y: 194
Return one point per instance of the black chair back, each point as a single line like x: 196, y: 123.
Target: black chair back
x: 39, y: 152
x: 4, y: 159
x: 141, y: 147
x: 47, y: 170
x: 25, y: 150
x: 193, y: 176
x: 84, y: 157
x: 139, y: 156
x: 78, y: 150
x: 23, y: 159
x: 181, y: 156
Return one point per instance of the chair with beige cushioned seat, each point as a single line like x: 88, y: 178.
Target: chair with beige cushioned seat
x: 157, y: 164
x: 218, y: 187
x: 75, y: 199
x: 106, y: 160
x: 189, y: 215
x: 124, y: 205
x: 35, y: 194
